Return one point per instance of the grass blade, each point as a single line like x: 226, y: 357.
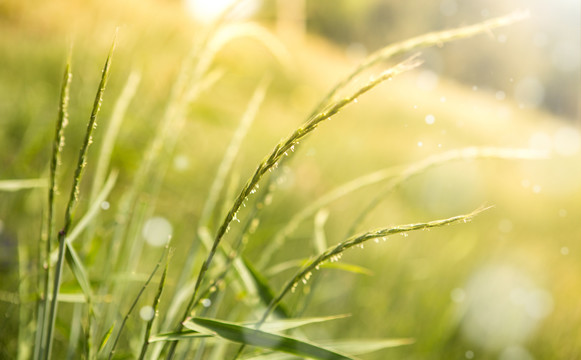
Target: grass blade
x: 155, y: 306
x: 265, y: 292
x: 396, y: 175
x: 252, y: 337
x: 73, y: 199
x: 112, y: 351
x: 22, y: 184
x: 360, y: 347
x: 334, y: 254
x: 58, y: 143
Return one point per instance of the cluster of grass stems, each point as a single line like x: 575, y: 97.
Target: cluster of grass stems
x: 187, y: 328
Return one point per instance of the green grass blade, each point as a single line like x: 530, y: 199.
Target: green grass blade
x: 106, y: 338
x: 22, y: 184
x: 112, y: 351
x: 252, y: 337
x: 287, y: 324
x: 360, y: 347
x: 180, y: 335
x: 58, y: 143
x: 155, y: 306
x: 81, y: 275
x: 333, y: 254
x: 265, y: 292
x: 73, y: 199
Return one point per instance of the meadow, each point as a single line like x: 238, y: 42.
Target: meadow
x: 225, y: 204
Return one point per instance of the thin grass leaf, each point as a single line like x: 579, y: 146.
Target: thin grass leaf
x: 319, y: 238
x: 106, y: 338
x: 252, y: 337
x: 353, y: 347
x: 154, y: 306
x: 22, y: 184
x: 287, y: 324
x: 265, y: 292
x: 366, y: 346
x: 352, y: 268
x: 73, y: 199
x: 80, y: 274
x: 176, y: 336
x: 112, y: 351
x: 334, y: 254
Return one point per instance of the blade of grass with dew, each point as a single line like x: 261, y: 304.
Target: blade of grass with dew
x: 57, y: 146
x: 155, y: 305
x: 73, y: 198
x: 334, y: 253
x: 252, y: 337
x: 423, y: 41
x: 118, y: 336
x: 282, y: 148
x: 396, y: 175
x: 22, y: 184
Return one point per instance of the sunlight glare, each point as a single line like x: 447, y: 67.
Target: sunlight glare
x: 207, y: 11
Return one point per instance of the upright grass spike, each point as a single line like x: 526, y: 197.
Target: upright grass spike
x: 57, y: 146
x: 73, y: 199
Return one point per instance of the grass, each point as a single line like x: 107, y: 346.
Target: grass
x: 222, y: 273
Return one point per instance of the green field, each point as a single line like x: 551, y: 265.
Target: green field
x: 502, y: 284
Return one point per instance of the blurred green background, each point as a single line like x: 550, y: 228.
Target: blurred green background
x: 505, y: 286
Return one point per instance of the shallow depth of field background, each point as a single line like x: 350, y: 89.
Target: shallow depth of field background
x: 504, y: 286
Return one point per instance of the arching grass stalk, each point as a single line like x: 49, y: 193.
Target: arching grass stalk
x: 423, y: 41
x: 58, y: 143
x: 73, y: 199
x: 282, y: 149
x: 334, y: 253
x: 394, y: 177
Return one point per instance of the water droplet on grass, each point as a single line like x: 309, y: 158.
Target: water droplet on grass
x: 146, y: 313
